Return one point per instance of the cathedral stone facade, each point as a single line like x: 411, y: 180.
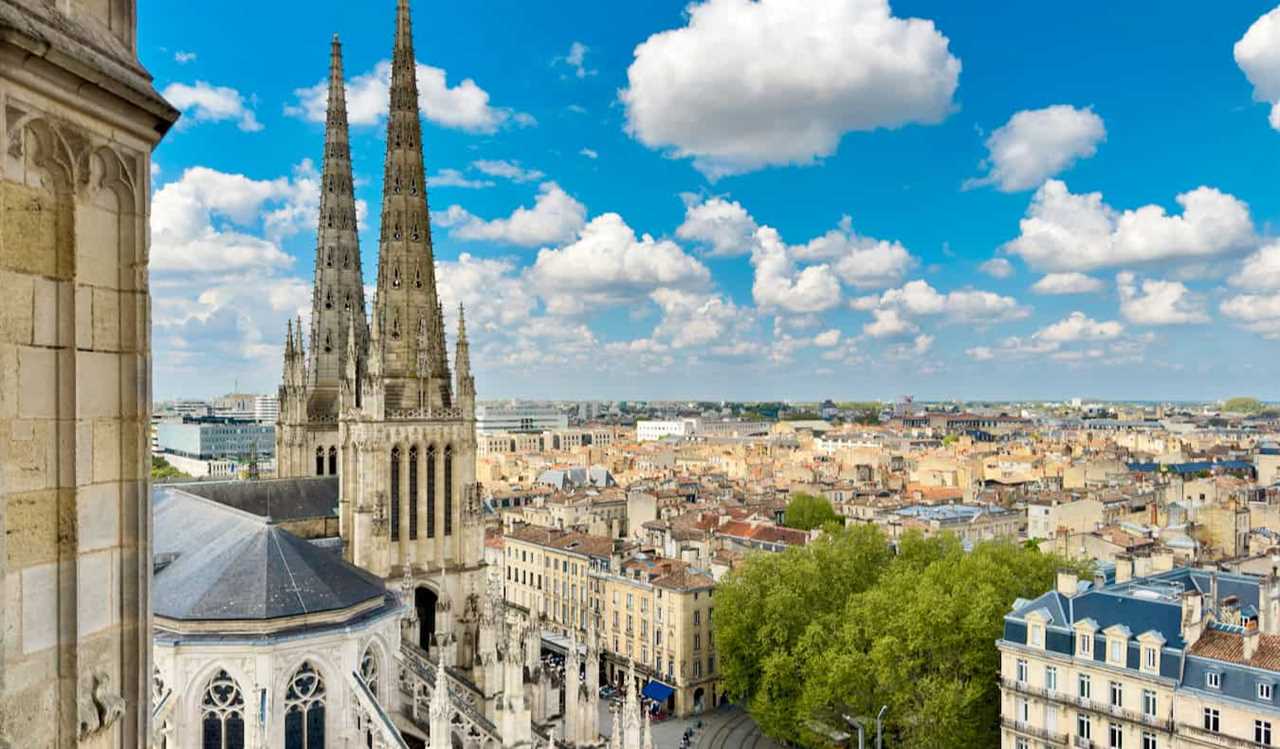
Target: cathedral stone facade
x: 78, y: 120
x: 372, y: 400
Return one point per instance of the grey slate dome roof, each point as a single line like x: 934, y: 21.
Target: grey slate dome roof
x: 216, y: 563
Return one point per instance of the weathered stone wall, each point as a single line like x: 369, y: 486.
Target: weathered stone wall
x: 77, y: 129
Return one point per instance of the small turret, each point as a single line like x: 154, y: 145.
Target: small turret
x: 466, y: 386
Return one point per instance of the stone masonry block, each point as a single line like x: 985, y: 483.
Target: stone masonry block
x: 106, y: 320
x: 31, y: 528
x: 29, y: 222
x: 107, y: 446
x: 16, y: 291
x: 98, y: 384
x: 97, y: 246
x: 37, y: 383
x: 25, y: 447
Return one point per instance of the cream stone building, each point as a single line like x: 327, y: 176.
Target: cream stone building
x: 656, y: 614
x: 1182, y: 658
x: 78, y: 121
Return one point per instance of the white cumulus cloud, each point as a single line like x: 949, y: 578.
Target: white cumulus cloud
x: 1080, y: 327
x: 1158, y: 302
x: 1066, y: 283
x: 464, y: 106
x: 1063, y: 231
x: 204, y: 102
x: 1257, y: 312
x: 1258, y: 55
x: 1036, y: 144
x: 554, y: 217
x: 997, y: 267
x: 723, y: 226
x: 609, y: 264
x: 1261, y: 270
x: 747, y: 84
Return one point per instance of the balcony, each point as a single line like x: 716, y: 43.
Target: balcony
x: 1209, y: 738
x: 1053, y: 737
x: 1100, y: 708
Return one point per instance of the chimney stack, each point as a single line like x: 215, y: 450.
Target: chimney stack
x: 1124, y: 568
x: 1068, y: 583
x: 1251, y: 639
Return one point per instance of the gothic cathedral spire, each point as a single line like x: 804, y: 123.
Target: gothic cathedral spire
x: 338, y: 296
x: 407, y: 308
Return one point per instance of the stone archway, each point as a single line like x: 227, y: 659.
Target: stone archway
x: 424, y: 602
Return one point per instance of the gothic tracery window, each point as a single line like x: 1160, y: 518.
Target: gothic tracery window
x: 395, y: 275
x: 304, y: 709
x: 417, y: 275
x: 370, y: 670
x: 395, y: 494
x: 333, y: 461
x: 328, y: 299
x: 448, y: 490
x: 413, y: 493
x: 431, y: 491
x: 222, y: 714
x: 319, y: 461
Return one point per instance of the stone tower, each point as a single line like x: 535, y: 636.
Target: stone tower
x: 78, y: 120
x: 307, y: 426
x: 374, y: 402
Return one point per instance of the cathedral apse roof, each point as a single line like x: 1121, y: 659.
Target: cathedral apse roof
x: 219, y: 564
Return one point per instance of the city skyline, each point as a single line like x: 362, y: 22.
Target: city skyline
x: 608, y: 249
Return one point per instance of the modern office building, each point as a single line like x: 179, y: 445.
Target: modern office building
x: 518, y: 417
x: 212, y: 438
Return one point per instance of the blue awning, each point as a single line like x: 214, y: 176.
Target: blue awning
x: 657, y: 691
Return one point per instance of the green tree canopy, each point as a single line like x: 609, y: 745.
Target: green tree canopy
x: 1243, y: 405
x: 162, y: 470
x: 842, y: 627
x: 806, y: 512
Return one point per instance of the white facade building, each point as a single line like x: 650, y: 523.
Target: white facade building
x: 651, y: 431
x: 519, y: 417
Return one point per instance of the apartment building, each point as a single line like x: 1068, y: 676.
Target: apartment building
x: 657, y: 612
x: 1181, y: 658
x: 546, y: 574
x: 653, y: 611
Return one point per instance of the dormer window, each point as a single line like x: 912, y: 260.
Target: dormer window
x: 1037, y: 635
x: 1264, y: 691
x: 1116, y: 652
x: 1149, y: 659
x: 1213, y: 680
x: 1084, y: 644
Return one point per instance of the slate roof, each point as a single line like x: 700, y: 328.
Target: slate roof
x: 216, y: 563
x: 278, y: 499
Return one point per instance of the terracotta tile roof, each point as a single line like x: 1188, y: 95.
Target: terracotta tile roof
x: 684, y: 579
x: 1229, y: 647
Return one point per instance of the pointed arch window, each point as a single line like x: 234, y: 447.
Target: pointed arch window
x: 319, y: 461
x: 347, y: 304
x: 222, y: 714
x: 304, y: 709
x: 329, y: 259
x: 328, y: 341
x: 431, y: 491
x: 413, y: 493
x: 414, y: 233
x: 333, y: 461
x: 395, y: 494
x: 413, y: 185
x: 370, y: 669
x: 417, y: 276
x: 395, y: 325
x: 328, y: 299
x: 395, y: 274
x: 346, y: 258
x: 448, y: 490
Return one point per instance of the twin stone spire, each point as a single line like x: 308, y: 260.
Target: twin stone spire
x: 402, y: 343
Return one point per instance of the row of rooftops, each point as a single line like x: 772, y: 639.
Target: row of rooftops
x: 1202, y: 621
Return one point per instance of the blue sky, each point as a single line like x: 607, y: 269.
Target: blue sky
x: 738, y: 199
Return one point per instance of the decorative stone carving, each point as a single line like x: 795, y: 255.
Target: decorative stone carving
x: 100, y: 709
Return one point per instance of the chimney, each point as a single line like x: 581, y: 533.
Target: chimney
x: 1192, y: 616
x: 1124, y: 568
x: 1142, y: 565
x: 1068, y: 582
x: 1251, y: 638
x: 1155, y: 513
